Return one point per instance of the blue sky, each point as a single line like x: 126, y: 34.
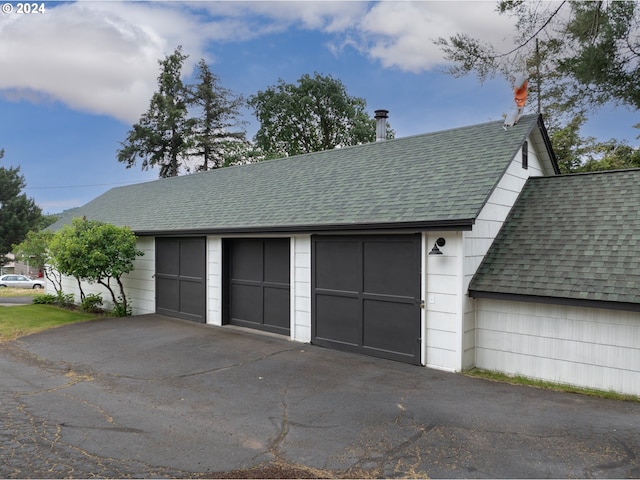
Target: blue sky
x: 74, y: 79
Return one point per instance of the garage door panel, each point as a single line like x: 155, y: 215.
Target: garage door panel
x: 276, y: 307
x: 190, y: 297
x: 390, y: 327
x: 338, y: 320
x: 246, y: 258
x: 246, y: 303
x: 191, y: 259
x: 385, y: 268
x: 276, y: 269
x: 167, y: 294
x: 342, y: 273
x: 167, y: 259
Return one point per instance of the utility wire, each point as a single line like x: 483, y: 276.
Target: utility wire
x: 81, y: 186
x: 535, y: 35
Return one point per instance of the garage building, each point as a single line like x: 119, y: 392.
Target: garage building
x: 368, y: 249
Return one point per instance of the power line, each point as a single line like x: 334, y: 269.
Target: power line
x: 82, y: 186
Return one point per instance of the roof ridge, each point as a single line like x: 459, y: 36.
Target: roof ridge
x: 321, y: 152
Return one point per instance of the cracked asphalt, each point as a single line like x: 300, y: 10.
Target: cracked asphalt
x: 156, y: 397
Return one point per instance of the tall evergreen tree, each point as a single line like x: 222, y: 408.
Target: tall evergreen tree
x: 18, y: 214
x: 188, y: 127
x: 216, y: 114
x: 164, y: 135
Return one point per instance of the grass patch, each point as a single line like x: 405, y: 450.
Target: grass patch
x: 20, y: 320
x: 558, y: 387
x: 20, y: 292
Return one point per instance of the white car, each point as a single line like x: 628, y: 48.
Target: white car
x: 19, y: 281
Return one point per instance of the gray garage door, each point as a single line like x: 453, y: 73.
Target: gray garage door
x: 180, y: 278
x: 366, y: 295
x: 257, y: 272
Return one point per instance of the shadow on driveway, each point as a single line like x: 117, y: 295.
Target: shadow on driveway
x: 152, y: 396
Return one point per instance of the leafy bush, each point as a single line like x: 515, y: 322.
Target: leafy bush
x: 60, y: 299
x: 91, y: 303
x: 46, y: 299
x: 121, y: 310
x: 64, y: 299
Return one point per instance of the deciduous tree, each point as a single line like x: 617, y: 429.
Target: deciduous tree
x: 35, y: 247
x: 312, y: 115
x: 97, y: 252
x: 18, y: 214
x: 586, y: 154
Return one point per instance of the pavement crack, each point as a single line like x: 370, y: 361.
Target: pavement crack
x: 107, y: 417
x: 74, y: 377
x: 201, y: 372
x: 111, y: 429
x: 274, y: 447
x: 393, y: 460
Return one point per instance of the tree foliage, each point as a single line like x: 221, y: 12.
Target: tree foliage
x: 187, y: 127
x: 585, y: 54
x: 163, y: 136
x: 18, y: 214
x: 96, y: 252
x: 577, y: 154
x: 312, y: 115
x: 218, y: 109
x: 35, y: 247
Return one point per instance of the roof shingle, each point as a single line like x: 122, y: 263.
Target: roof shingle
x: 433, y: 178
x: 572, y: 237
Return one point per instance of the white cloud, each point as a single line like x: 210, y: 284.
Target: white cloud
x: 401, y: 34
x: 102, y: 56
x: 93, y: 56
x: 328, y: 16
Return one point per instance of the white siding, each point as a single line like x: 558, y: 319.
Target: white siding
x: 139, y: 284
x: 587, y: 347
x: 301, y: 288
x: 214, y: 281
x: 442, y: 292
x: 487, y: 226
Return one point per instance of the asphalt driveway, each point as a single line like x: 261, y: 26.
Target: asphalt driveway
x: 152, y: 396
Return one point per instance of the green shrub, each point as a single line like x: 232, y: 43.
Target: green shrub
x: 60, y: 299
x: 91, y: 303
x: 64, y: 299
x: 46, y: 299
x: 121, y: 310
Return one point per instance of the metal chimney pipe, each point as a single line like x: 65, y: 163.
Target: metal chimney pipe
x: 381, y: 125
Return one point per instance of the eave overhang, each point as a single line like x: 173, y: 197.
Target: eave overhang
x: 573, y: 302
x: 392, y: 227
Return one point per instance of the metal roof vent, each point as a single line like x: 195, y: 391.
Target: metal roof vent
x: 381, y: 125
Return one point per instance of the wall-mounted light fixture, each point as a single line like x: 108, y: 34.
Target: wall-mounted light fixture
x: 439, y: 243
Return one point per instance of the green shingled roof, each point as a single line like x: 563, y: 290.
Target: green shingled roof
x: 571, y: 237
x: 441, y: 178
